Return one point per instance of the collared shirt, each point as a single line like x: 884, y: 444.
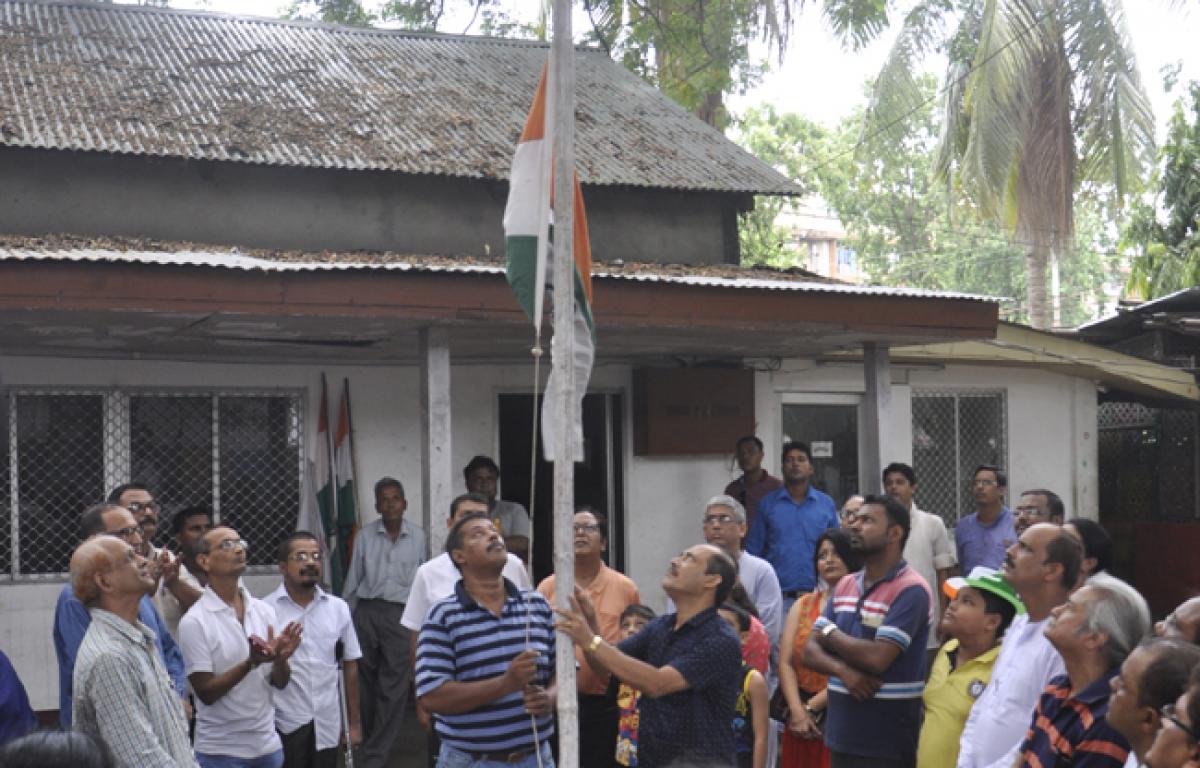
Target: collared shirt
x: 762, y: 585
x: 463, y: 641
x: 510, y: 518
x: 928, y: 550
x: 949, y: 695
x: 997, y: 722
x: 241, y: 723
x: 894, y: 609
x: 71, y: 621
x: 1072, y: 730
x: 382, y: 569
x: 124, y: 696
x: 436, y: 579
x: 985, y: 545
x: 752, y: 495
x: 311, y: 695
x: 692, y: 726
x: 611, y: 592
x: 785, y: 534
x: 168, y: 605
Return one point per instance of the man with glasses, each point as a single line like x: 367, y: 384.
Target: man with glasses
x: 1183, y: 623
x: 71, y: 618
x: 1177, y: 744
x: 136, y: 497
x: 983, y: 536
x: 234, y: 658
x: 611, y: 593
x: 1038, y: 506
x: 308, y: 714
x: 1152, y: 677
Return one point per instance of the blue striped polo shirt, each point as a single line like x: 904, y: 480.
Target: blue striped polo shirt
x: 463, y: 641
x: 895, y: 609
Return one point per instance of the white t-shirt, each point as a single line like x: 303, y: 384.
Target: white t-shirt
x: 435, y: 580
x: 241, y: 723
x: 928, y: 550
x: 168, y: 605
x: 312, y: 693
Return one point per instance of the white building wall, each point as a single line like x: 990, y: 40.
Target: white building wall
x: 1052, y: 422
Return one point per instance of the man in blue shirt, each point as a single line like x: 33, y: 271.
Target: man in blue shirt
x: 788, y: 523
x: 71, y: 618
x: 984, y: 536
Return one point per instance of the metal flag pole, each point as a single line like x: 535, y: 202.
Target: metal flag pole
x: 562, y: 62
x: 338, y: 650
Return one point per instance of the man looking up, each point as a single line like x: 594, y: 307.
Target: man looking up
x: 1038, y: 506
x: 308, y: 714
x: 187, y: 527
x: 755, y: 482
x: 483, y: 476
x: 136, y: 497
x: 1043, y: 567
x: 871, y: 641
x: 1183, y: 623
x: 1153, y: 676
x: 686, y: 664
x: 387, y: 553
x: 123, y: 695
x: 485, y: 660
x: 611, y: 592
x: 928, y: 549
x: 984, y: 536
x: 227, y: 637
x: 788, y: 523
x: 1094, y: 632
x: 71, y: 618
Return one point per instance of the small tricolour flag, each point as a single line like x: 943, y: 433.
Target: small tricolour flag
x: 526, y: 237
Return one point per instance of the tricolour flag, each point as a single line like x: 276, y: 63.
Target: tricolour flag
x: 526, y: 237
x: 347, y: 507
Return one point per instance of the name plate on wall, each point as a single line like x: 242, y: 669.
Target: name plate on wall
x: 691, y: 410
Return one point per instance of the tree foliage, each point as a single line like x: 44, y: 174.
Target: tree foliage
x: 487, y: 17
x: 1168, y: 243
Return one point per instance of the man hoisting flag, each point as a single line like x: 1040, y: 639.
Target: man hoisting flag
x: 526, y: 231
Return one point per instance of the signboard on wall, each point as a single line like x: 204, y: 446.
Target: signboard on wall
x: 688, y: 411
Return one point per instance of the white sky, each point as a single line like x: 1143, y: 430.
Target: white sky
x: 823, y: 82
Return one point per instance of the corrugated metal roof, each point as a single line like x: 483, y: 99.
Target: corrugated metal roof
x: 733, y: 277
x: 152, y: 81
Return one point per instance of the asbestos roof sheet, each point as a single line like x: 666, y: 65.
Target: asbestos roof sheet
x: 206, y: 86
x: 63, y: 248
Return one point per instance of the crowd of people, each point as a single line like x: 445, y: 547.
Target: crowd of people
x: 795, y: 635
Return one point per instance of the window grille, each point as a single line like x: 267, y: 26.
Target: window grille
x: 955, y: 431
x: 239, y: 453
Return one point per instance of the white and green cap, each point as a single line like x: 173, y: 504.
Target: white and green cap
x: 988, y: 580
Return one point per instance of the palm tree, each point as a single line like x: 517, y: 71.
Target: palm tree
x: 1040, y: 96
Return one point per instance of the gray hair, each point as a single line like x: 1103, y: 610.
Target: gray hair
x: 1118, y: 611
x: 732, y: 504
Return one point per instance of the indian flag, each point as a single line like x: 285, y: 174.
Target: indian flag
x: 347, y: 524
x: 526, y: 232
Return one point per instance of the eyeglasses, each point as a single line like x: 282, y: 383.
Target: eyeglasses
x: 1030, y: 511
x: 586, y: 528
x: 1168, y: 713
x: 138, y: 506
x: 304, y: 557
x: 229, y: 544
x: 984, y: 482
x: 718, y: 519
x: 126, y: 532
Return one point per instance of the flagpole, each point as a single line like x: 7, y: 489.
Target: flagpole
x: 333, y: 495
x: 562, y: 357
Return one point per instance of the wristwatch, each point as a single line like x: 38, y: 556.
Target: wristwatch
x: 828, y: 630
x: 596, y: 641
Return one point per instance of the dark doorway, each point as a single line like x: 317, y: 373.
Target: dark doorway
x: 599, y: 481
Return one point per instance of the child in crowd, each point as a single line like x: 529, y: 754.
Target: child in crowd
x: 981, y: 607
x: 633, y: 619
x: 751, y: 721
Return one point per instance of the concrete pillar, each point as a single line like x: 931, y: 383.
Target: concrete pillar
x: 439, y: 488
x: 877, y: 416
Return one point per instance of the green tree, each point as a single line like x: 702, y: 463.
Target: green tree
x: 1168, y: 244
x: 1041, y: 98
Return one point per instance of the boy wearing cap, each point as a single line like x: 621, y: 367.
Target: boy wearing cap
x: 981, y: 608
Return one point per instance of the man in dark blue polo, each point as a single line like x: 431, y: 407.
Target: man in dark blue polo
x: 485, y: 660
x: 871, y: 641
x: 788, y: 523
x: 686, y: 664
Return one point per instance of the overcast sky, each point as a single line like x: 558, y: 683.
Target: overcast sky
x: 822, y: 81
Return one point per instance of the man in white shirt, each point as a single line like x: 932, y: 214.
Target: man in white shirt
x: 308, y: 714
x: 928, y: 549
x: 234, y: 658
x: 188, y: 526
x: 1043, y: 567
x: 436, y: 579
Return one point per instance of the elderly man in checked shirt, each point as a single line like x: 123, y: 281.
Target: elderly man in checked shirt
x: 123, y: 695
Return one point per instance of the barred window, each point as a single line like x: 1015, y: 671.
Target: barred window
x: 955, y: 431
x: 239, y: 453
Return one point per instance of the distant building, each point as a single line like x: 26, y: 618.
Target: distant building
x: 818, y: 237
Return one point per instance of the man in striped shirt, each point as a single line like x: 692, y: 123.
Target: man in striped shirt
x: 485, y: 659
